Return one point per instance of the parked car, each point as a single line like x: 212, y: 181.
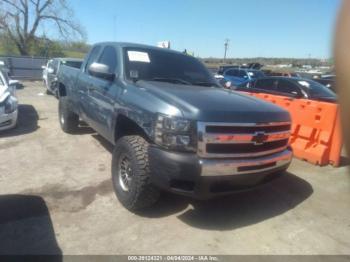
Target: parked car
x: 6, y: 72
x: 327, y: 80
x: 289, y: 86
x: 172, y: 126
x: 8, y: 103
x: 239, y: 76
x: 52, y: 69
x: 285, y: 74
x: 224, y: 68
x: 4, y: 67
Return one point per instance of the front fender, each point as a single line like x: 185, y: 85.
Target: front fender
x: 144, y: 120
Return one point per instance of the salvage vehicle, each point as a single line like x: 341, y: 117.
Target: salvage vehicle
x: 283, y: 74
x: 8, y: 103
x: 52, y: 69
x: 291, y: 87
x: 172, y: 126
x: 327, y: 80
x: 239, y: 76
x: 6, y: 72
x: 4, y: 67
x: 224, y: 68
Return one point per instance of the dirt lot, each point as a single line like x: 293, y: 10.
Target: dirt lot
x: 56, y: 197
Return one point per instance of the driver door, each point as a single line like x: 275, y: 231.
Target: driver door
x: 102, y: 94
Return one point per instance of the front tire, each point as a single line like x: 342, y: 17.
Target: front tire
x: 69, y: 120
x: 131, y: 174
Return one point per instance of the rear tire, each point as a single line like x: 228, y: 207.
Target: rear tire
x: 131, y: 174
x: 69, y: 120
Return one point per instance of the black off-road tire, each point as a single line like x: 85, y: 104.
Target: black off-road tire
x: 69, y: 120
x: 141, y: 194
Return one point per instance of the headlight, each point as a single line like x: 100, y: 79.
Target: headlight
x: 175, y: 133
x: 10, y: 104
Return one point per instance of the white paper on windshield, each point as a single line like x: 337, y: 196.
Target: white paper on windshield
x: 137, y: 56
x: 304, y: 83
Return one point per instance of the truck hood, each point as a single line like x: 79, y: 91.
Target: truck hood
x: 212, y: 104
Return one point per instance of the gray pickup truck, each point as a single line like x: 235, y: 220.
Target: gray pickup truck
x: 174, y: 129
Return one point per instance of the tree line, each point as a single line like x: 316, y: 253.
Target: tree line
x: 26, y: 24
x: 45, y: 47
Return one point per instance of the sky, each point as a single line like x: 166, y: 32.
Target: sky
x: 256, y: 28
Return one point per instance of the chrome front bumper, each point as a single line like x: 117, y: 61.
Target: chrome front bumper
x: 229, y: 167
x: 8, y: 121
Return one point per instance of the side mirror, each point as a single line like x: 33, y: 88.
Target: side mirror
x: 50, y: 70
x: 101, y: 71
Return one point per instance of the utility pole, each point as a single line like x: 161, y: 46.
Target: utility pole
x: 226, y: 48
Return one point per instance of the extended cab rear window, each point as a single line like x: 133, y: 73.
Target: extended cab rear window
x: 75, y: 64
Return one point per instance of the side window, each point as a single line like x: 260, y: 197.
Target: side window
x: 49, y: 64
x: 266, y: 84
x: 109, y: 58
x: 242, y: 73
x: 92, y: 57
x: 287, y: 87
x: 232, y: 72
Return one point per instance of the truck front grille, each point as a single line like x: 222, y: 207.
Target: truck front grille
x: 223, y: 140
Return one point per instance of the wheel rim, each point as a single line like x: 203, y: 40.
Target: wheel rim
x: 124, y: 172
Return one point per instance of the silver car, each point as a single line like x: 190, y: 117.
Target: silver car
x: 8, y: 103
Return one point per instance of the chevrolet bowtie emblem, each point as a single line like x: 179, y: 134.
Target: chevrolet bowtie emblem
x: 259, y: 138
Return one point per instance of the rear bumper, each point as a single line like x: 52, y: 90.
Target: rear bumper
x: 8, y: 121
x: 189, y: 175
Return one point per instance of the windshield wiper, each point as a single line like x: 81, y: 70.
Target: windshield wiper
x: 205, y: 84
x: 171, y: 80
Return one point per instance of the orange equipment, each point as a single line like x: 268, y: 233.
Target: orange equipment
x: 316, y: 130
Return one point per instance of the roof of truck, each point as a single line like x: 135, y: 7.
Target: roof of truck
x: 134, y: 45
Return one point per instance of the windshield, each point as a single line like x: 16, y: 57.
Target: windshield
x: 316, y: 90
x: 255, y: 74
x: 159, y: 65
